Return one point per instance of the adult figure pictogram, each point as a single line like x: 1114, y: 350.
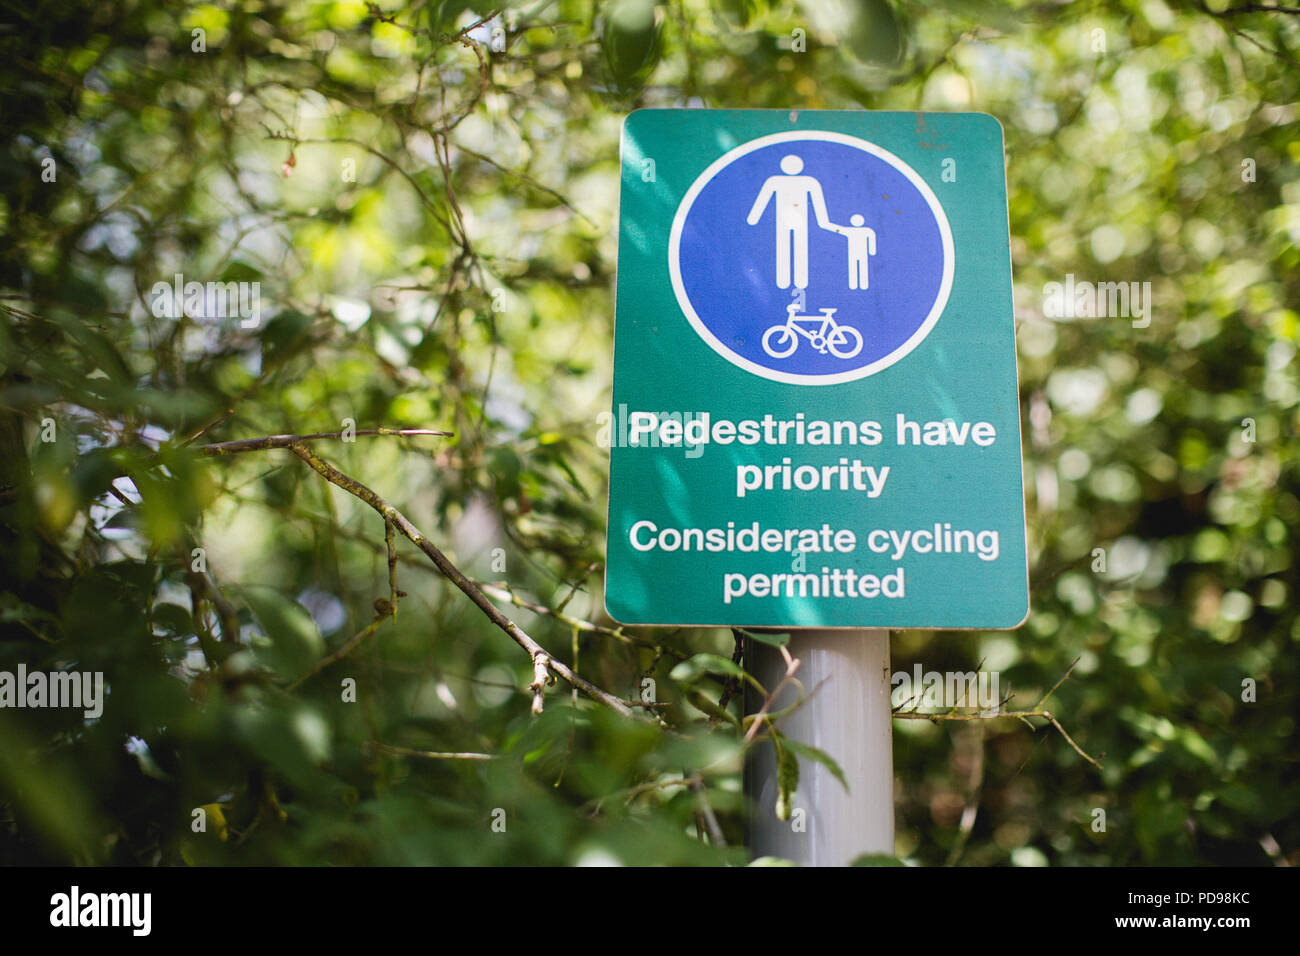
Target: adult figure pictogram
x: 789, y: 193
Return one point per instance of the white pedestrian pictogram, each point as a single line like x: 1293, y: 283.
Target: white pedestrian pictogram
x: 790, y: 192
x: 862, y: 243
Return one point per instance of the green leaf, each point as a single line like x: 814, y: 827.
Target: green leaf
x: 241, y: 271
x: 703, y: 702
x: 95, y: 471
x: 690, y: 671
x: 173, y: 619
x: 284, y: 334
x: 294, y: 642
x: 767, y: 637
x: 630, y: 39
x: 1197, y: 746
x: 875, y: 37
x: 739, y: 13
x: 442, y: 14
x: 787, y: 778
x: 821, y: 756
x: 877, y: 859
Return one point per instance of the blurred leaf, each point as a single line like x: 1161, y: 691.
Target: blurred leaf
x: 630, y: 39
x: 787, y: 777
x: 875, y: 36
x: 876, y: 859
x: 293, y: 642
x: 812, y: 753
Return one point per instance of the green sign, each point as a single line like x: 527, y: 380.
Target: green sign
x: 816, y: 419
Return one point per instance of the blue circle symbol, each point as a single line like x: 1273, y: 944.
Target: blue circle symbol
x: 811, y: 258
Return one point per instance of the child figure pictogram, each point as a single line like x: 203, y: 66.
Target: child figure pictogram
x: 861, y: 245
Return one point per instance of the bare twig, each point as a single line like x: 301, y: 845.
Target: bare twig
x: 997, y: 712
x: 1246, y: 8
x: 428, y: 203
x: 503, y: 592
x: 990, y: 715
x: 791, y: 666
x: 733, y: 683
x: 433, y: 754
x: 227, y: 613
x: 208, y: 427
x: 971, y: 810
x: 706, y: 809
x: 391, y: 545
x: 522, y: 177
x: 1268, y: 843
x: 597, y: 804
x: 1064, y: 677
x: 284, y: 441
x: 1070, y: 740
x: 541, y: 676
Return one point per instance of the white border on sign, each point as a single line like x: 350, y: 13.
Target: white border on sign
x: 684, y: 208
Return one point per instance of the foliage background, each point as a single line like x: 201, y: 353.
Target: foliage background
x: 488, y: 177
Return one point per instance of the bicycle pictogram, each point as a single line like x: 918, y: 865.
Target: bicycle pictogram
x: 825, y: 334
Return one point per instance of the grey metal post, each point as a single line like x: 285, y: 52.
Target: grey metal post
x: 849, y: 718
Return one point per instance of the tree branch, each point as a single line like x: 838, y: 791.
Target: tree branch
x: 449, y: 570
x: 791, y: 667
x: 706, y: 811
x: 503, y: 592
x: 432, y: 754
x: 541, y: 677
x: 1024, y: 715
x: 284, y: 441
